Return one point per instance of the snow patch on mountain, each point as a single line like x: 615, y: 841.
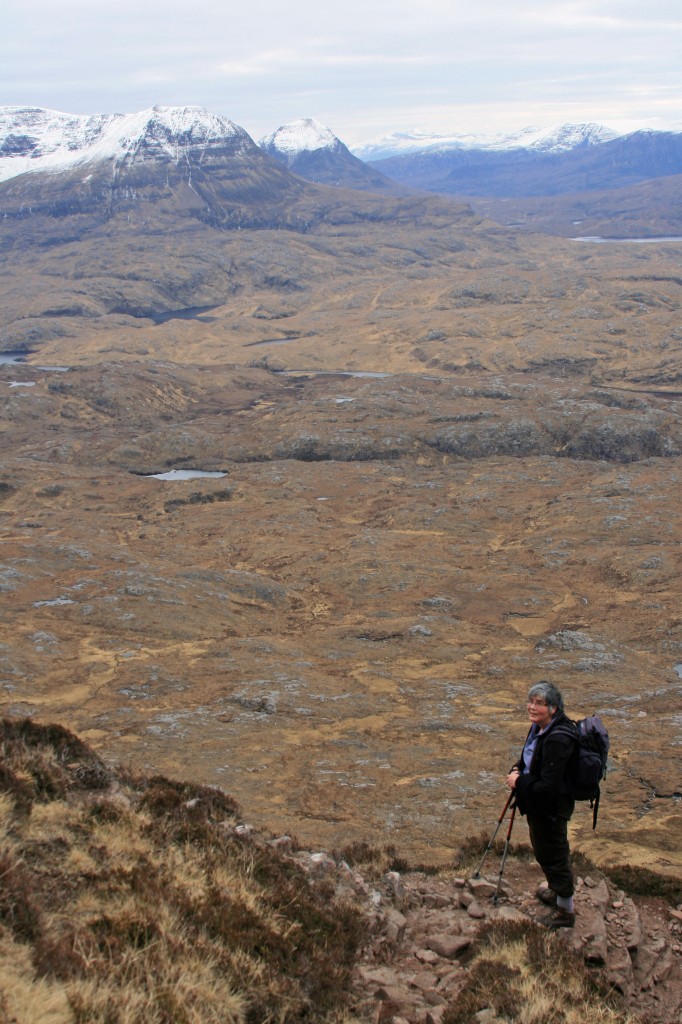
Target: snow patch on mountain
x: 553, y: 139
x: 37, y: 139
x: 303, y: 136
x: 414, y: 141
x: 558, y: 138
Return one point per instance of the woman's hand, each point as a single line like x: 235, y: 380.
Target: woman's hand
x: 513, y: 778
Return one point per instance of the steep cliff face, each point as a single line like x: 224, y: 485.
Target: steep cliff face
x: 35, y: 139
x: 181, y: 161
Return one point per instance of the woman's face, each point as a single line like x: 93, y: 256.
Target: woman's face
x: 539, y: 712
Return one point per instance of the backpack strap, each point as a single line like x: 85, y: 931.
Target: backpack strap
x: 594, y: 804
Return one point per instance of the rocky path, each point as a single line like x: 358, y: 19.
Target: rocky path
x: 425, y: 926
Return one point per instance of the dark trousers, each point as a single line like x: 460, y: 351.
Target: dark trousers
x: 549, y: 839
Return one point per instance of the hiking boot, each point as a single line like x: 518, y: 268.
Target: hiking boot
x: 557, y: 918
x: 546, y: 896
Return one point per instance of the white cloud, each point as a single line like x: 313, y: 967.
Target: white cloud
x: 306, y: 59
x: 361, y: 68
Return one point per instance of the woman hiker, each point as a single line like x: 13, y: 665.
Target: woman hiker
x: 539, y: 780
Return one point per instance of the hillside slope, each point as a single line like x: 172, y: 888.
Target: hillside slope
x: 648, y: 209
x: 142, y: 900
x: 138, y: 900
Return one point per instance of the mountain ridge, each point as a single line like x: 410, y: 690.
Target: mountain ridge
x: 38, y: 138
x: 34, y: 139
x: 138, y: 897
x: 554, y: 138
x: 613, y: 164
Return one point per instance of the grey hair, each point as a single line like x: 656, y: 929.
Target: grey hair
x: 549, y: 693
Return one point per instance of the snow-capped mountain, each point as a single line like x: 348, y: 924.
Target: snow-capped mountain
x: 552, y: 139
x: 303, y: 136
x: 558, y: 138
x: 166, y: 166
x: 34, y: 139
x: 187, y: 143
x: 311, y: 150
x: 534, y: 161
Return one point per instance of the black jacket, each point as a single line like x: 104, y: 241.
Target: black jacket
x: 544, y: 789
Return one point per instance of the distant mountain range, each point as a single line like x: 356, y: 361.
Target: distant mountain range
x: 555, y: 139
x: 205, y: 167
x: 33, y: 139
x: 539, y: 171
x: 564, y: 158
x: 137, y: 215
x: 116, y: 229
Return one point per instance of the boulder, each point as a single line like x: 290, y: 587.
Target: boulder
x: 653, y: 962
x: 394, y: 925
x: 448, y: 946
x: 619, y: 971
x: 481, y: 888
x: 590, y: 931
x: 427, y: 956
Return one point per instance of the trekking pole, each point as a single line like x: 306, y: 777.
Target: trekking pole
x: 504, y: 854
x: 477, y: 873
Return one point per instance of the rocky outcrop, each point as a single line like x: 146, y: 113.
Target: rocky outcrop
x: 583, y: 432
x: 425, y: 928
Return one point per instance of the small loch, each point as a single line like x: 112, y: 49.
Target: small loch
x: 185, y: 474
x: 600, y: 240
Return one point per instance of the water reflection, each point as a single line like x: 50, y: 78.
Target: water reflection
x: 184, y: 474
x: 16, y: 358
x: 628, y: 241
x: 188, y: 313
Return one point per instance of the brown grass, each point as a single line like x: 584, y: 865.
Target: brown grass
x: 526, y: 976
x: 139, y: 903
x: 638, y: 881
x: 470, y: 851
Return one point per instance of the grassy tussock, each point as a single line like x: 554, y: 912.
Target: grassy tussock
x: 526, y: 976
x: 469, y: 853
x: 24, y: 998
x: 643, y: 882
x: 374, y: 861
x: 137, y: 902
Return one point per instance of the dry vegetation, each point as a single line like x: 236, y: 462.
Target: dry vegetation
x: 137, y: 901
x: 127, y: 900
x: 525, y: 976
x: 347, y: 621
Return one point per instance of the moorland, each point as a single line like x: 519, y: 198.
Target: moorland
x: 450, y: 459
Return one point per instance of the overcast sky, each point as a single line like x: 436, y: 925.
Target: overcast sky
x: 362, y: 67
